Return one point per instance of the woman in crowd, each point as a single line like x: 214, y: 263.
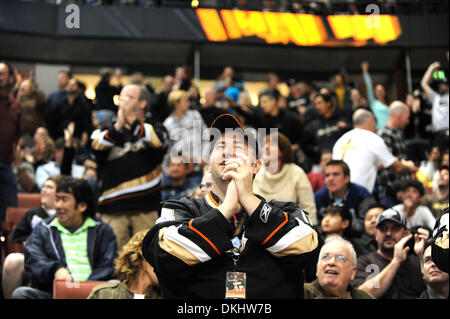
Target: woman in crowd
x: 137, y: 279
x: 281, y: 179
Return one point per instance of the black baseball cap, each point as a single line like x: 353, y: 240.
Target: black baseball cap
x: 392, y: 215
x: 226, y: 122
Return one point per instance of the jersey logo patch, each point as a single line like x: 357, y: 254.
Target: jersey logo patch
x: 265, y: 211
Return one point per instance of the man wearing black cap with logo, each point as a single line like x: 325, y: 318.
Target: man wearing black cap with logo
x: 231, y: 243
x: 393, y: 271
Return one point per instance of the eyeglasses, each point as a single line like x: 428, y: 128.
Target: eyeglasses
x: 339, y: 258
x: 206, y: 185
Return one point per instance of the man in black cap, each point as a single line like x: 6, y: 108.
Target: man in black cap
x: 393, y: 271
x: 231, y: 243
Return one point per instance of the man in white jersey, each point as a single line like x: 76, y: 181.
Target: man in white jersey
x: 364, y: 151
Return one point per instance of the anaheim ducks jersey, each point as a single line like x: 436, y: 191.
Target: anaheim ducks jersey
x: 439, y: 248
x: 190, y: 248
x: 129, y: 166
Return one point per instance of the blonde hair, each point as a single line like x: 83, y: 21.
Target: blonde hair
x: 175, y: 96
x: 128, y: 263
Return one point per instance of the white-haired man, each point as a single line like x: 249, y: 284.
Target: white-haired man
x: 335, y: 270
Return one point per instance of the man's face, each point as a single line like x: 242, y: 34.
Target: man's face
x: 443, y: 178
x: 370, y: 220
x: 48, y: 192
x: 177, y: 169
x: 332, y: 223
x: 226, y: 147
x: 388, y: 234
x: 206, y: 185
x: 68, y: 212
x: 129, y: 99
x: 268, y: 104
x: 335, y: 180
x: 63, y: 80
x: 273, y: 80
x: 411, y: 196
x: 5, y: 79
x: 431, y: 273
x: 321, y: 106
x: 210, y: 97
x: 39, y: 145
x: 335, y: 269
x: 168, y: 83
x: 443, y: 88
x: 72, y: 87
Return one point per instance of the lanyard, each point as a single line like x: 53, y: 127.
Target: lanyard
x: 236, y: 241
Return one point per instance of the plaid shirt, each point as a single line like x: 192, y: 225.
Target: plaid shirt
x: 386, y: 177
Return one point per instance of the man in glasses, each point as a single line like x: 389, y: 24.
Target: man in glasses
x: 393, y: 271
x: 335, y: 270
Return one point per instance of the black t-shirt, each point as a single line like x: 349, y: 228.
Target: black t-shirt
x: 407, y: 283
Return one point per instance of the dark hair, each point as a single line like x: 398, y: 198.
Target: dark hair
x: 59, y: 143
x: 68, y: 73
x: 81, y: 191
x: 285, y: 147
x: 340, y: 210
x: 269, y: 93
x: 375, y: 205
x: 324, y: 96
x: 342, y: 164
x: 414, y: 183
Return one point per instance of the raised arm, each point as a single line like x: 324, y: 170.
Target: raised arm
x: 368, y: 82
x: 426, y: 79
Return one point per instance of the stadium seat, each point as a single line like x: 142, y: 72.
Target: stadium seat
x: 29, y: 200
x: 63, y: 289
x: 13, y: 216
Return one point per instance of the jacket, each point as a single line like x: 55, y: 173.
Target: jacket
x: 27, y: 223
x: 190, y: 249
x: 119, y: 290
x: 313, y: 290
x: 44, y: 253
x: 354, y: 197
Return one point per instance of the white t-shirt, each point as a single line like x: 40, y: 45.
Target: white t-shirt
x: 439, y: 112
x: 362, y: 150
x: 422, y: 216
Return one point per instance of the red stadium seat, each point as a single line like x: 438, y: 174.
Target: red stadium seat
x: 13, y: 216
x: 29, y: 200
x: 63, y: 289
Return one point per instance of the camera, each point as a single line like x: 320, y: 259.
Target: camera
x: 410, y: 243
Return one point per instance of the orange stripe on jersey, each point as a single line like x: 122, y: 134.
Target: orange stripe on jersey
x: 213, y: 200
x: 276, y: 229
x: 203, y: 236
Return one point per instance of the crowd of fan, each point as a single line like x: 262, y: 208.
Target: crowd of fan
x: 321, y: 7
x: 65, y: 133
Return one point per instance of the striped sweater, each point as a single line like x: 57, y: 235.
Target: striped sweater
x: 129, y: 166
x: 190, y: 245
